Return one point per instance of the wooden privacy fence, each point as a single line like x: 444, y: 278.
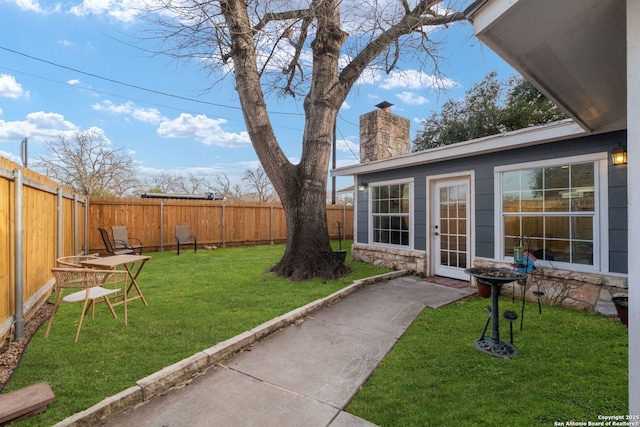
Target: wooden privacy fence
x: 217, y: 223
x: 41, y: 221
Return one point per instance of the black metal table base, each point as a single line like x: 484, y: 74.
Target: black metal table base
x: 498, y: 349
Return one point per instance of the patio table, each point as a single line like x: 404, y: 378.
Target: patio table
x: 128, y: 262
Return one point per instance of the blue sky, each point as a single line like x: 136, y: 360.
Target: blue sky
x: 74, y: 66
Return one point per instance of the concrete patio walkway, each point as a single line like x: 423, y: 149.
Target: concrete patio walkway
x: 304, y: 374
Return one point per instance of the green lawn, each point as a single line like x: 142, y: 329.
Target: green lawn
x: 195, y: 301
x: 571, y: 366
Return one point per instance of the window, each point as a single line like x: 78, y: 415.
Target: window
x: 556, y: 207
x: 390, y: 213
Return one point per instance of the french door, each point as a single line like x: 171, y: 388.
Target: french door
x: 450, y: 227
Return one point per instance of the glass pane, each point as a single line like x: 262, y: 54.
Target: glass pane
x: 512, y: 226
x: 405, y: 238
x: 531, y: 201
x: 557, y: 200
x: 582, y: 253
x: 453, y: 194
x: 384, y: 206
x: 582, y: 175
x: 462, y: 241
x: 444, y: 195
x: 376, y: 222
x: 404, y: 208
x: 396, y: 223
x: 511, y: 181
x: 384, y: 192
x: 532, y: 226
x: 556, y: 177
x: 384, y: 222
x: 557, y: 250
x: 582, y: 228
x: 511, y: 202
x: 462, y: 193
x: 531, y: 179
x: 444, y: 226
x: 462, y: 226
x: 462, y: 210
x: 462, y: 260
x: 537, y: 248
x: 453, y: 243
x: 444, y: 258
x: 444, y: 211
x: 557, y: 227
x: 453, y: 226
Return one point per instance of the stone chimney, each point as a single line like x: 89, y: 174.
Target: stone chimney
x: 383, y: 134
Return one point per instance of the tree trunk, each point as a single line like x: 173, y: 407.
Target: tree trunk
x: 308, y: 253
x: 301, y: 187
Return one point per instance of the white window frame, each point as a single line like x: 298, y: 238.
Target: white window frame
x: 408, y: 181
x: 601, y: 214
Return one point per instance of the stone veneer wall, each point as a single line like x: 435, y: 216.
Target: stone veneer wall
x: 396, y: 259
x: 576, y: 290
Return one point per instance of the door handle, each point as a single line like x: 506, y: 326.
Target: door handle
x: 436, y: 234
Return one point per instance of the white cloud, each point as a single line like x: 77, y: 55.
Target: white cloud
x: 10, y: 88
x: 64, y: 42
x: 121, y: 10
x: 405, y: 79
x: 202, y: 128
x: 411, y: 98
x: 34, y: 6
x: 146, y: 115
x: 414, y: 79
x: 38, y: 126
x: 348, y: 146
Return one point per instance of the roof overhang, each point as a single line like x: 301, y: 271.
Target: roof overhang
x: 573, y: 51
x: 550, y: 132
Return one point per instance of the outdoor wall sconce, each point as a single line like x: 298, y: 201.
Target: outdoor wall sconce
x: 619, y: 155
x: 362, y: 186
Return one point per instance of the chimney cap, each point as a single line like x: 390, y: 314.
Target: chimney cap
x: 384, y: 104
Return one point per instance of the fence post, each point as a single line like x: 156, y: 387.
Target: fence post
x: 272, y: 225
x: 85, y: 250
x: 75, y: 224
x: 224, y: 242
x: 344, y: 220
x: 161, y: 226
x: 19, y: 305
x: 59, y: 226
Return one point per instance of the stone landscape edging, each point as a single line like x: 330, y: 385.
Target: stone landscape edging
x: 187, y: 369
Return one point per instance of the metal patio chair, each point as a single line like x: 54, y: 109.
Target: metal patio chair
x: 184, y: 237
x: 122, y: 240
x: 109, y: 245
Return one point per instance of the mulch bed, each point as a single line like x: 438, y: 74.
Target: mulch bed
x: 11, y: 354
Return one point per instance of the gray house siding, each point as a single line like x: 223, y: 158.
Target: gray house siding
x: 483, y: 167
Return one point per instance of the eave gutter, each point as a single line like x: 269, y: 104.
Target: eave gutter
x: 473, y: 8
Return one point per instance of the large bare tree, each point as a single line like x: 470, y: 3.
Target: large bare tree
x: 301, y: 48
x: 258, y: 181
x: 88, y: 164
